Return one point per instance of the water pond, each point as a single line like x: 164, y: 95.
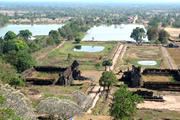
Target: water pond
x: 149, y: 63
x: 83, y: 48
x: 111, y: 33
x: 42, y: 29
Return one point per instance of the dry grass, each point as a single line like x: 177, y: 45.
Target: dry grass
x: 173, y: 31
x: 157, y: 78
x: 93, y: 117
x: 175, y: 54
x: 143, y: 52
x: 157, y: 115
x: 42, y: 51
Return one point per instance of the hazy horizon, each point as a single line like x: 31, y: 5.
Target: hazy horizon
x: 99, y: 1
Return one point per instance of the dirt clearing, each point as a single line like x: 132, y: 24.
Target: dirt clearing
x: 173, y: 31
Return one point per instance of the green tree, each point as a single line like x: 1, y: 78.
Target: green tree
x: 138, y: 34
x: 153, y: 23
x: 34, y: 47
x: 10, y: 35
x: 26, y: 34
x: 152, y: 33
x: 107, y: 63
x: 1, y: 45
x: 20, y: 45
x: 9, y: 46
x: 163, y: 36
x: 124, y: 102
x: 108, y: 79
x: 78, y: 40
x: 17, y: 45
x: 176, y: 24
x: 10, y: 57
x: 62, y: 32
x: 7, y: 73
x: 24, y: 61
x: 54, y: 34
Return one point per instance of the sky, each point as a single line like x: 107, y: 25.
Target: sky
x: 93, y: 1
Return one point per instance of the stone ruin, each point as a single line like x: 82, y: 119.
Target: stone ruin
x: 148, y: 96
x: 70, y: 74
x: 66, y: 75
x: 133, y: 78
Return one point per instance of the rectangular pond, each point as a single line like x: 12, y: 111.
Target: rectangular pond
x: 92, y: 49
x: 112, y: 32
x: 42, y: 29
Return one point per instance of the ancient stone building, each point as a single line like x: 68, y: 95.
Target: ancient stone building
x: 70, y: 74
x: 133, y: 78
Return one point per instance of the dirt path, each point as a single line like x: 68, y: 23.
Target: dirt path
x: 165, y: 52
x: 95, y: 95
x: 44, y: 55
x: 97, y: 89
x: 136, y: 18
x: 170, y: 103
x: 122, y: 54
x: 115, y: 58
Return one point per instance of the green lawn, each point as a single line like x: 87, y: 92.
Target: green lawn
x: 87, y: 60
x: 135, y: 62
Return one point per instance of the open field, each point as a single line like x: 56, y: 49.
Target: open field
x: 42, y: 51
x: 135, y: 53
x: 175, y: 54
x: 173, y: 31
x: 87, y: 60
x: 143, y: 52
x: 157, y: 78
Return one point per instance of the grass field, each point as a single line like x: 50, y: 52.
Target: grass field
x: 175, y: 54
x: 87, y: 60
x: 135, y: 53
x: 151, y: 78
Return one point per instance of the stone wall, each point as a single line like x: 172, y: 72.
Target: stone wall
x: 163, y: 72
x: 49, y: 69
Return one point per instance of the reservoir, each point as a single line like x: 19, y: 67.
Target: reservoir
x: 42, y: 29
x: 112, y: 32
x: 83, y: 48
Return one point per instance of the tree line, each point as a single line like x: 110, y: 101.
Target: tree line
x: 3, y: 20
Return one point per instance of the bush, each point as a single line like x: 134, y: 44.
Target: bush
x: 78, y: 40
x: 97, y: 65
